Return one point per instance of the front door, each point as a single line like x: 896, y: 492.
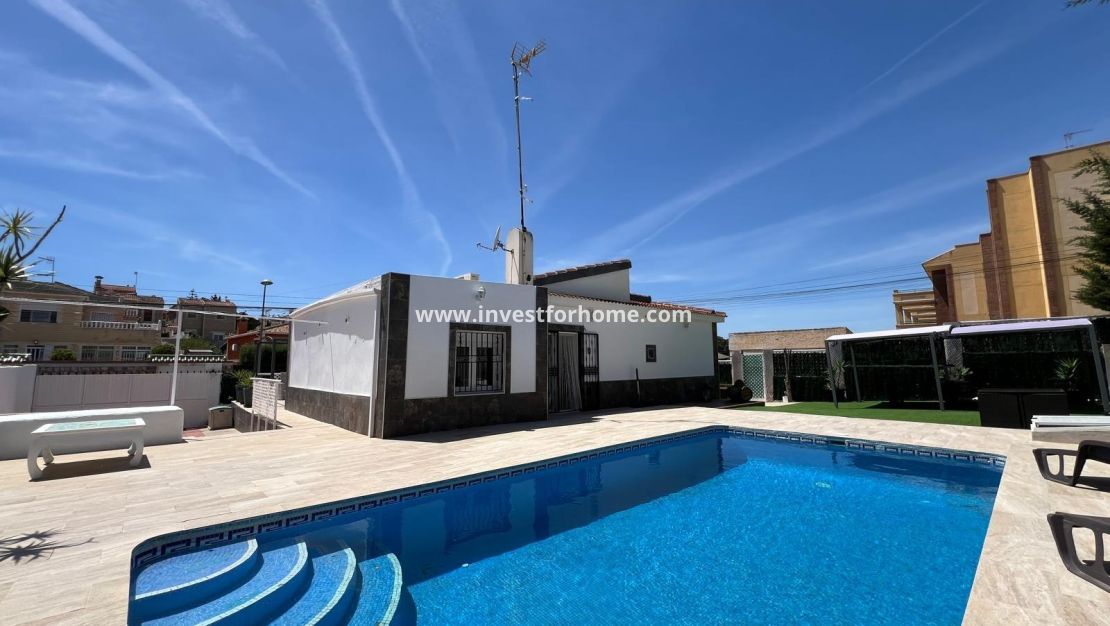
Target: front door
x: 564, y: 371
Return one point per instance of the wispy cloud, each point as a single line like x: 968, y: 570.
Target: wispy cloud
x: 164, y: 237
x: 424, y: 219
x: 925, y: 44
x: 458, y: 83
x: 222, y: 13
x: 91, y: 32
x: 67, y: 161
x: 763, y: 244
x: 912, y: 245
x: 651, y: 223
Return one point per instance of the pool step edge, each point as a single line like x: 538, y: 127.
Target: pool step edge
x: 202, y: 589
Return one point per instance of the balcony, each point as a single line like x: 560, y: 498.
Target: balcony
x: 121, y: 325
x: 914, y: 308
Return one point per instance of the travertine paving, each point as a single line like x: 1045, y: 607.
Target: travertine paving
x: 65, y: 542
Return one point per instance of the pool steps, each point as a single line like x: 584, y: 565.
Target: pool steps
x: 298, y: 581
x: 380, y: 593
x: 335, y: 579
x: 181, y: 582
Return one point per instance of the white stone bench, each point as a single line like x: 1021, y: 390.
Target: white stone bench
x: 164, y: 425
x: 96, y: 433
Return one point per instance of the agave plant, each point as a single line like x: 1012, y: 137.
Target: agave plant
x: 1067, y: 370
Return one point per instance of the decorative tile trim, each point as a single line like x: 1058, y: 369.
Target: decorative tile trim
x: 159, y: 547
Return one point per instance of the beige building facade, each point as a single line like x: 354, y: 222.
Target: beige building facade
x: 1025, y: 267
x: 41, y: 321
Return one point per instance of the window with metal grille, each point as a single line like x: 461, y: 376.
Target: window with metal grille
x: 479, y: 361
x: 133, y: 353
x: 98, y: 353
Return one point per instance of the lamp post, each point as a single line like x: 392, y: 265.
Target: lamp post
x: 261, y: 328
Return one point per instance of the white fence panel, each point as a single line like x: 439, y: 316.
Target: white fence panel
x: 264, y: 400
x: 196, y: 392
x: 17, y: 388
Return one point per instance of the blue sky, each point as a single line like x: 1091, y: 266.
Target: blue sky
x: 729, y: 149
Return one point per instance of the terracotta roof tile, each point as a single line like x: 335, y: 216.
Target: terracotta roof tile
x: 651, y: 305
x: 581, y: 271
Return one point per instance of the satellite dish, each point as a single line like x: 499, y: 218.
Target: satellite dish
x: 497, y: 243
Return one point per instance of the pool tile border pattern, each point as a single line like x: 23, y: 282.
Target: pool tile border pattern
x: 162, y: 546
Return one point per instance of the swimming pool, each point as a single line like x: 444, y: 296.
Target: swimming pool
x: 711, y: 526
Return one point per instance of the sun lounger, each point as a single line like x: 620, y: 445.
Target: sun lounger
x: 1087, y: 451
x: 1097, y: 570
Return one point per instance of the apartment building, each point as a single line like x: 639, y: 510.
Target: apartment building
x: 91, y: 332
x: 212, y: 328
x: 1025, y: 266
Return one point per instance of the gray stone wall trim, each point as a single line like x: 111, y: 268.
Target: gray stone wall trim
x: 338, y: 409
x: 393, y: 337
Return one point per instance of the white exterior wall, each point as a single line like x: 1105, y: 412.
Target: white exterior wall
x: 338, y: 356
x: 681, y: 351
x: 429, y: 342
x: 610, y: 285
x: 17, y: 387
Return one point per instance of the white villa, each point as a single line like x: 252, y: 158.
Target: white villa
x: 400, y: 354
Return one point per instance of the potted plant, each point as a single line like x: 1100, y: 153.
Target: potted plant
x: 834, y: 379
x: 243, y: 385
x: 955, y: 385
x: 1067, y: 374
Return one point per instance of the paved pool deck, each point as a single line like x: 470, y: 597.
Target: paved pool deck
x: 66, y: 542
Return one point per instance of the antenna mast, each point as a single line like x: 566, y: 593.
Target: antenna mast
x: 1068, y: 136
x: 521, y: 60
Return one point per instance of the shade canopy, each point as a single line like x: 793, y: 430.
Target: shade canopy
x: 1017, y: 327
x: 893, y: 334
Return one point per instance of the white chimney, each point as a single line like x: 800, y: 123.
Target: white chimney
x: 518, y: 257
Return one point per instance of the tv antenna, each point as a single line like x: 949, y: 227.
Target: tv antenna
x: 496, y: 245
x: 521, y: 60
x: 51, y: 273
x: 1071, y: 134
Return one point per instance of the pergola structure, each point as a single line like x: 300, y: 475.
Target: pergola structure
x: 935, y: 336
x: 847, y: 343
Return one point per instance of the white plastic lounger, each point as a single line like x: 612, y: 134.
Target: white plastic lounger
x: 1070, y: 428
x: 1071, y: 420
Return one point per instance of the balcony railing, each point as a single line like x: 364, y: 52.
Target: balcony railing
x: 120, y: 325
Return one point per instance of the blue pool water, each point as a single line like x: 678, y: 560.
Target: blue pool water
x: 714, y: 529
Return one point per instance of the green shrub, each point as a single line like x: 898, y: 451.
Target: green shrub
x: 281, y: 357
x: 164, y: 348
x: 62, y: 354
x: 243, y: 377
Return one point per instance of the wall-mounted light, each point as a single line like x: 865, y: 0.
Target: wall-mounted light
x: 481, y: 293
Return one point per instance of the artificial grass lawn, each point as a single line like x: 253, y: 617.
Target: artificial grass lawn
x: 908, y: 412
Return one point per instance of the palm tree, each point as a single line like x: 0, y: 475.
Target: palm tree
x: 17, y: 244
x: 16, y: 233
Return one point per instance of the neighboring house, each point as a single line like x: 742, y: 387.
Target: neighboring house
x: 777, y: 363
x: 126, y: 294
x: 93, y: 333
x: 212, y: 328
x: 278, y: 334
x: 1025, y: 266
x: 375, y: 360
